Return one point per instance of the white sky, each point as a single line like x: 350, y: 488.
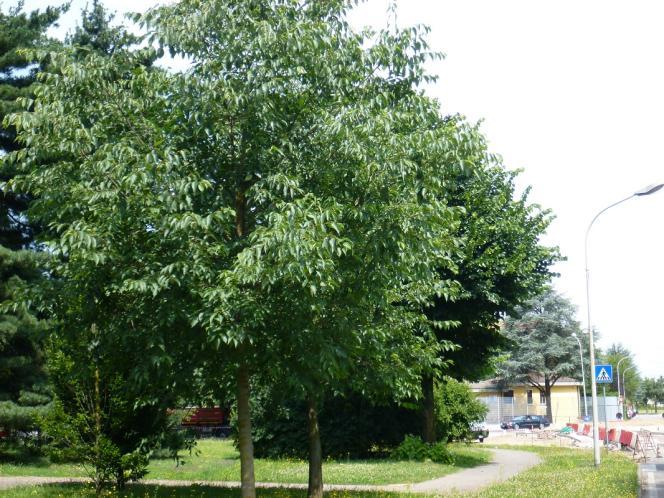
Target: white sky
x: 573, y: 93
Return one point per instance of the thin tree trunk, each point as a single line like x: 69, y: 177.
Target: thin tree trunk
x: 99, y: 481
x: 428, y: 410
x: 547, y: 393
x: 246, y: 444
x: 315, y: 452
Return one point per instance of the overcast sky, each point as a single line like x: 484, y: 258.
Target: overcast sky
x: 572, y: 93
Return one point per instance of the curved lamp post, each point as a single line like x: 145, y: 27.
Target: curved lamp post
x: 651, y: 189
x: 583, y: 376
x: 621, y: 405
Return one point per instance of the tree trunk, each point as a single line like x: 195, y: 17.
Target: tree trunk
x: 246, y: 445
x: 245, y: 442
x: 547, y: 393
x: 428, y: 410
x: 315, y: 452
x: 99, y: 479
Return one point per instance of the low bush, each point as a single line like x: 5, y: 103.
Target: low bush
x: 414, y: 449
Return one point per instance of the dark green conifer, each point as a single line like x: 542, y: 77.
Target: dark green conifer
x: 23, y: 388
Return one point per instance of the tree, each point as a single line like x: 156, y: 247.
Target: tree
x: 650, y: 390
x: 18, y: 31
x: 318, y: 148
x: 614, y: 354
x: 500, y: 264
x: 96, y: 31
x: 285, y: 195
x: 100, y: 225
x: 24, y: 393
x: 542, y: 348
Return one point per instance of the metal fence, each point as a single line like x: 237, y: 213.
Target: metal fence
x: 502, y: 409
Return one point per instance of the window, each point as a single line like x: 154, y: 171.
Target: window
x: 508, y: 396
x: 542, y: 398
x: 530, y: 396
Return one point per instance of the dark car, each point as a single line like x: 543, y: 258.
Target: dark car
x: 527, y: 422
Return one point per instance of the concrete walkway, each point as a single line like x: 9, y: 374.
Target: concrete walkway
x: 651, y: 479
x: 504, y: 464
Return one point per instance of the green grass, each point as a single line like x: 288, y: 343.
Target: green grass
x: 569, y: 473
x: 219, y: 461
x: 564, y: 473
x: 140, y: 491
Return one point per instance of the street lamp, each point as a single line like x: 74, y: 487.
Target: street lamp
x: 623, y: 379
x: 620, y: 405
x: 651, y: 189
x: 583, y: 377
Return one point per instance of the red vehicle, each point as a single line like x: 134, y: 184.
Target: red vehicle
x: 207, y: 421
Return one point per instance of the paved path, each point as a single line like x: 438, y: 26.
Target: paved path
x: 651, y: 479
x: 504, y: 464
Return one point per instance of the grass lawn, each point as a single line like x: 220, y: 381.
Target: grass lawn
x: 139, y: 491
x: 217, y: 460
x: 564, y: 473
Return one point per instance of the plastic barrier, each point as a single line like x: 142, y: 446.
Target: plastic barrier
x: 625, y: 438
x: 575, y: 427
x: 613, y: 433
x: 602, y: 433
x: 586, y: 429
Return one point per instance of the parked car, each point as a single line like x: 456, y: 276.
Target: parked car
x: 527, y: 422
x: 479, y: 431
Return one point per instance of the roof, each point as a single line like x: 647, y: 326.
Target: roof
x: 494, y: 384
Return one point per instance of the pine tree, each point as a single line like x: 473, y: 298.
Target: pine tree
x: 18, y: 30
x: 23, y: 389
x: 96, y: 31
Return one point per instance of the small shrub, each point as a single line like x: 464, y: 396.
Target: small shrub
x: 457, y: 409
x: 413, y: 448
x: 439, y: 453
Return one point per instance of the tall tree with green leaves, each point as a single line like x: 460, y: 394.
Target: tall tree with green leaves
x: 333, y: 167
x: 614, y: 354
x: 117, y: 290
x: 286, y: 194
x: 500, y: 264
x: 542, y: 347
x: 23, y: 389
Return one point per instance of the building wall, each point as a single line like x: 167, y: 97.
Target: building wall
x: 564, y: 404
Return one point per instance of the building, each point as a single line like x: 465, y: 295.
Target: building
x: 507, y: 401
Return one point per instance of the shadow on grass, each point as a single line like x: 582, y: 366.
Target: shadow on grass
x: 149, y: 491
x: 466, y: 461
x: 20, y: 455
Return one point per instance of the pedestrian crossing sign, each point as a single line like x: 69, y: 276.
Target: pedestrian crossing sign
x: 604, y: 374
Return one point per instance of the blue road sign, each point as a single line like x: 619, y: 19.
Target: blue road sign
x: 604, y: 374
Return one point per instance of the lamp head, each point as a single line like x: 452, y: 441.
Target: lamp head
x: 650, y: 189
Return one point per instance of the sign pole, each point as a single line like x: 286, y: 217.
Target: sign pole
x: 606, y: 423
x: 603, y: 375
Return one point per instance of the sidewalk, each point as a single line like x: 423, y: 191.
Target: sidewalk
x: 651, y: 479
